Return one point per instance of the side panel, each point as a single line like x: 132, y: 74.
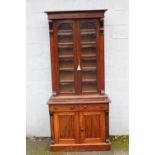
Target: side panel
x: 53, y: 57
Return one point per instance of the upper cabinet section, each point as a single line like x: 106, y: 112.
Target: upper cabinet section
x: 77, y: 52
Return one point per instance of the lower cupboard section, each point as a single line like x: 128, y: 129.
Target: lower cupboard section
x: 76, y: 129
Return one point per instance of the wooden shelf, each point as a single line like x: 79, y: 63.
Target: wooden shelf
x: 87, y: 33
x: 88, y: 46
x: 92, y: 91
x: 65, y: 33
x: 68, y: 43
x: 88, y: 57
x: 69, y: 92
x: 89, y: 81
x: 66, y: 81
x: 88, y: 30
x: 66, y: 69
x: 88, y: 68
x: 65, y: 45
x: 66, y: 56
x: 88, y: 43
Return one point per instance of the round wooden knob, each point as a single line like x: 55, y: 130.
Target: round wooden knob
x: 72, y: 107
x: 82, y: 129
x: 55, y: 108
x: 85, y: 107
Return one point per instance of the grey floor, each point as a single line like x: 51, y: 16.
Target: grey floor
x: 39, y: 146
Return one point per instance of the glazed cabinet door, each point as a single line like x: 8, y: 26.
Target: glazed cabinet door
x: 89, y: 55
x: 92, y: 127
x: 65, y: 56
x: 66, y: 127
x: 77, y: 56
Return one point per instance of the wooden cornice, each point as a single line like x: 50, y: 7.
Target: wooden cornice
x: 75, y: 14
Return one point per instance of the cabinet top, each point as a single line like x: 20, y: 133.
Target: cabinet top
x: 76, y: 14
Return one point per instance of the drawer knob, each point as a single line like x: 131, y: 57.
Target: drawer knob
x: 85, y: 107
x: 82, y: 129
x: 72, y: 107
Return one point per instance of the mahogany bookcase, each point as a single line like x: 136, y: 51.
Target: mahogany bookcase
x: 78, y: 107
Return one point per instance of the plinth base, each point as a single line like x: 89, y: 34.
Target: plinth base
x: 80, y: 147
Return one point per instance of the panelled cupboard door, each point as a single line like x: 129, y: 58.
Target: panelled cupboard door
x: 92, y: 127
x: 66, y: 127
x: 77, y: 55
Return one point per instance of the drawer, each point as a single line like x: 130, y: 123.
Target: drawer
x: 92, y: 107
x: 63, y: 108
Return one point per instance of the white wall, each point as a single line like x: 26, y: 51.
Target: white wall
x: 38, y: 61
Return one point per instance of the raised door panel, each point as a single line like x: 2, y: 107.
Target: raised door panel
x: 92, y: 127
x: 66, y: 127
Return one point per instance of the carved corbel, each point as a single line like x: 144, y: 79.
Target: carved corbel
x: 101, y: 25
x: 51, y: 113
x: 50, y: 26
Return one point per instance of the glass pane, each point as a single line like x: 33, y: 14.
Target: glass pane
x: 88, y: 55
x: 88, y: 36
x: 89, y: 87
x: 64, y: 26
x: 88, y: 51
x: 64, y: 52
x: 88, y: 25
x: 66, y: 56
x: 66, y: 87
x: 88, y: 63
x: 65, y: 38
x: 66, y: 75
x: 66, y: 64
x: 87, y: 76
